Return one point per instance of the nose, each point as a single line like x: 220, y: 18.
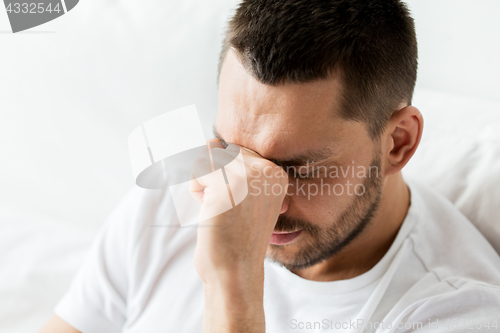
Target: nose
x: 284, y: 205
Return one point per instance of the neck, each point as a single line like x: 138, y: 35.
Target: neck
x: 366, y: 250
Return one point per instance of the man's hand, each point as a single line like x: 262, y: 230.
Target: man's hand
x: 231, y: 247
x: 57, y: 325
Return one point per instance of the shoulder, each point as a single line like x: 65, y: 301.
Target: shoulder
x: 447, y: 244
x: 474, y: 306
x: 143, y: 218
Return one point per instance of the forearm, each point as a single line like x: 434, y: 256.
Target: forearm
x: 230, y: 253
x: 234, y: 305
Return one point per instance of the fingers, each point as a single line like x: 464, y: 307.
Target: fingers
x: 211, y: 159
x: 231, y: 147
x: 251, y: 152
x: 214, y: 143
x: 222, y: 157
x: 196, y: 190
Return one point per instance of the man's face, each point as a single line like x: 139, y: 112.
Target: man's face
x: 295, y: 125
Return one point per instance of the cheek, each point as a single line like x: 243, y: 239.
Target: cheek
x: 319, y: 200
x: 333, y: 186
x: 327, y: 195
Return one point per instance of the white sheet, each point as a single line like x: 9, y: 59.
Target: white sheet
x: 459, y: 155
x: 38, y: 258
x: 63, y: 140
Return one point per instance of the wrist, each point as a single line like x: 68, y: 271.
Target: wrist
x: 240, y: 283
x: 234, y: 303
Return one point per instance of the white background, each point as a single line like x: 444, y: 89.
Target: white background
x: 73, y: 89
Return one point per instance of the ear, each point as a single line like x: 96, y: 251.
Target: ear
x: 402, y: 137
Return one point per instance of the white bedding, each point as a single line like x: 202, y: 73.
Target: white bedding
x: 38, y: 258
x: 459, y: 155
x: 123, y: 62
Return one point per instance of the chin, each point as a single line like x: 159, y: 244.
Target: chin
x: 283, y: 254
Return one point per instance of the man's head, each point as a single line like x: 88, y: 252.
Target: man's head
x: 370, y: 44
x: 322, y: 81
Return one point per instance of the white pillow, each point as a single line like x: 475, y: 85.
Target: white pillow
x: 459, y: 155
x: 73, y: 95
x: 74, y: 88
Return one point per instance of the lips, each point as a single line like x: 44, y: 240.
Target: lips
x: 283, y: 237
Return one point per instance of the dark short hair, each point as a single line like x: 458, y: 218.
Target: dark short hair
x: 371, y: 44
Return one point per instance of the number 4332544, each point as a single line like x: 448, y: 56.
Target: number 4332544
x: 32, y: 8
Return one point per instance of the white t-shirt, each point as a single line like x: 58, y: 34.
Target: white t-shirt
x: 439, y: 275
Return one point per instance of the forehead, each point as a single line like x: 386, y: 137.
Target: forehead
x: 279, y: 121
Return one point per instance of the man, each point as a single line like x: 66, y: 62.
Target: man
x: 330, y: 236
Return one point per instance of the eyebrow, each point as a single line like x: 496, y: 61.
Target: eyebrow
x: 311, y: 156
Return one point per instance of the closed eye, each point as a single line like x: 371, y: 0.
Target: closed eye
x: 295, y: 174
x: 318, y: 171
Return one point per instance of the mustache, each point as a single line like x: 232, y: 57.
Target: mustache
x: 289, y: 224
